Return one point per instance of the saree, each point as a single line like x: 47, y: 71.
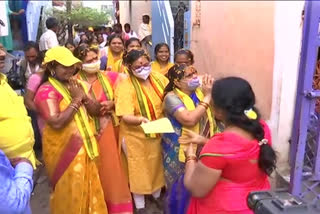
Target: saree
x: 145, y: 169
x: 177, y: 196
x: 155, y: 65
x: 113, y: 179
x: 111, y: 60
x: 233, y: 155
x: 73, y: 174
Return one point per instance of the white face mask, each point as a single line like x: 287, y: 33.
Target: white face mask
x: 91, y: 68
x: 142, y: 72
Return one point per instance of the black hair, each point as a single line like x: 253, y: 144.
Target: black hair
x: 129, y: 41
x: 146, y: 16
x: 186, y: 52
x: 51, y: 22
x: 234, y: 95
x: 113, y: 36
x: 157, y: 48
x: 31, y: 44
x: 127, y: 25
x: 176, y: 72
x: 82, y: 50
x: 133, y: 55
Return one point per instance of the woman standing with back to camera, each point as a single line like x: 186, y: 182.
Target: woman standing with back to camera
x: 234, y: 162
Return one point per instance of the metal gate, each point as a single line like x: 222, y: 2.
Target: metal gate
x: 305, y: 141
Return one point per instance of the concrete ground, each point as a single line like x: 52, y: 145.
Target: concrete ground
x: 41, y: 194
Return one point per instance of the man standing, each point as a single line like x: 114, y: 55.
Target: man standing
x: 49, y: 38
x: 145, y: 32
x: 16, y: 139
x: 32, y: 60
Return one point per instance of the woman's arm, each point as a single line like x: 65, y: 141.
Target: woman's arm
x: 184, y: 116
x: 28, y: 100
x: 134, y: 120
x: 93, y: 107
x: 58, y: 120
x: 199, y: 179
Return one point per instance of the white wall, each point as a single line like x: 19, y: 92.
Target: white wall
x: 287, y: 36
x: 138, y: 8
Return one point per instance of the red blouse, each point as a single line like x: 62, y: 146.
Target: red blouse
x: 238, y: 162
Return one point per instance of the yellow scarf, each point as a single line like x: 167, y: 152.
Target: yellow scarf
x: 111, y: 61
x: 188, y: 102
x: 82, y: 122
x: 146, y: 106
x: 155, y: 66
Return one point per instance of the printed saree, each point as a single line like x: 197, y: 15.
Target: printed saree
x: 177, y: 198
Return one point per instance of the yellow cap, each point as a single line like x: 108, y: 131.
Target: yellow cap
x: 62, y: 55
x: 90, y: 29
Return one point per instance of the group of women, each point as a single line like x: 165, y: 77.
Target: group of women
x: 98, y: 158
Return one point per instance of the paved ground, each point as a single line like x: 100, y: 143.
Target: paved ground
x: 40, y: 197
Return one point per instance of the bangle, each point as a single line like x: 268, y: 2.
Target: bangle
x: 191, y: 157
x: 204, y: 104
x: 74, y: 107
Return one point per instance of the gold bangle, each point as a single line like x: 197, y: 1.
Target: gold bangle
x: 74, y: 107
x: 206, y: 105
x: 191, y: 157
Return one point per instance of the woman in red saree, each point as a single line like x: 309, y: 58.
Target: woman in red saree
x: 232, y: 163
x: 112, y: 176
x: 70, y: 149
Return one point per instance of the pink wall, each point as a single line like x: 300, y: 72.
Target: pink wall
x: 237, y: 38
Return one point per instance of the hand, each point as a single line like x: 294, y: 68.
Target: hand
x: 189, y: 150
x: 21, y: 11
x: 76, y: 90
x: 15, y: 161
x: 143, y: 120
x: 191, y: 137
x: 207, y: 82
x: 106, y: 107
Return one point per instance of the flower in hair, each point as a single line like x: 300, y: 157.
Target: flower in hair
x: 251, y: 114
x: 263, y: 141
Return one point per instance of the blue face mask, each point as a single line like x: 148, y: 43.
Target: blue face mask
x: 193, y: 84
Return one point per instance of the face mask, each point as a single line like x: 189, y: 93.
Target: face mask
x: 193, y: 84
x: 142, y: 72
x: 91, y: 68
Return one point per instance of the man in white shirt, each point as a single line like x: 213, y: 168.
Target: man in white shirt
x: 145, y: 28
x: 129, y: 32
x: 49, y: 38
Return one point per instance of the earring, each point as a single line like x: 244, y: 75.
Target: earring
x: 52, y: 72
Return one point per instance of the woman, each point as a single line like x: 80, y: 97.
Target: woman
x: 70, y: 45
x: 184, y: 56
x: 162, y: 54
x: 132, y: 43
x: 69, y: 146
x: 109, y: 56
x: 232, y: 163
x: 113, y: 179
x: 138, y: 99
x: 187, y: 107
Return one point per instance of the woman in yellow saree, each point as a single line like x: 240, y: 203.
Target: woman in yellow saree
x: 69, y: 145
x: 162, y: 63
x: 112, y: 176
x: 138, y: 99
x: 110, y: 55
x: 130, y: 44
